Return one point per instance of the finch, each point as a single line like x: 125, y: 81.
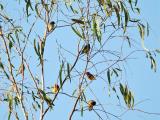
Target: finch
x: 51, y: 26
x: 90, y: 76
x: 91, y: 103
x: 55, y: 89
x: 86, y: 49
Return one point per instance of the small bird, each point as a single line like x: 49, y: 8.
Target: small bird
x: 55, y: 88
x: 91, y: 103
x: 90, y: 76
x: 86, y: 49
x: 51, y: 26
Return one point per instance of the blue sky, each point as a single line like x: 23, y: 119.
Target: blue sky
x: 143, y: 82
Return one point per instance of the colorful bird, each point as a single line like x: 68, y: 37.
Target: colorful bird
x: 51, y: 26
x: 55, y: 88
x: 90, y: 76
x: 91, y: 103
x: 86, y: 49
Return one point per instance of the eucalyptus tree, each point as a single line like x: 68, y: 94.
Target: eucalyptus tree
x: 66, y: 58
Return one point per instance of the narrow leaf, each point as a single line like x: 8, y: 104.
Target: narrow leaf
x: 117, y: 14
x: 109, y: 77
x: 126, y: 14
x: 68, y: 72
x: 60, y: 74
x: 77, y: 32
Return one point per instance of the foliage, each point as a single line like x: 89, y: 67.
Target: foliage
x: 91, y: 53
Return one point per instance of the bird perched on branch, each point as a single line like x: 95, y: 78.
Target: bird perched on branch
x: 90, y: 76
x: 51, y: 26
x: 91, y: 103
x: 55, y: 88
x: 86, y: 49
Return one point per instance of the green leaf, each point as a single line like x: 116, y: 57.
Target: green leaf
x: 35, y: 48
x: 115, y: 72
x: 1, y: 6
x: 74, y: 92
x: 82, y: 109
x: 1, y: 65
x: 128, y: 40
x: 33, y: 96
x: 68, y: 72
x: 73, y: 10
x: 28, y: 5
x: 42, y: 45
x: 130, y: 2
x: 153, y: 64
x: 117, y: 14
x: 127, y: 17
x: 77, y: 32
x: 16, y: 34
x: 9, y: 115
x: 60, y: 74
x: 147, y: 29
x: 10, y: 105
x: 37, y: 10
x: 114, y: 89
x: 96, y: 28
x: 141, y: 29
x: 121, y: 88
x: 38, y: 105
x: 138, y: 10
x: 78, y: 21
x: 46, y: 98
x: 134, y: 20
x: 109, y: 3
x: 10, y: 37
x: 16, y: 100
x: 136, y: 1
x: 10, y: 45
x: 108, y: 13
x: 83, y: 95
x: 113, y: 25
x: 132, y: 101
x: 122, y: 6
x: 120, y: 70
x: 127, y: 96
x: 129, y: 99
x: 115, y: 92
x: 125, y: 91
